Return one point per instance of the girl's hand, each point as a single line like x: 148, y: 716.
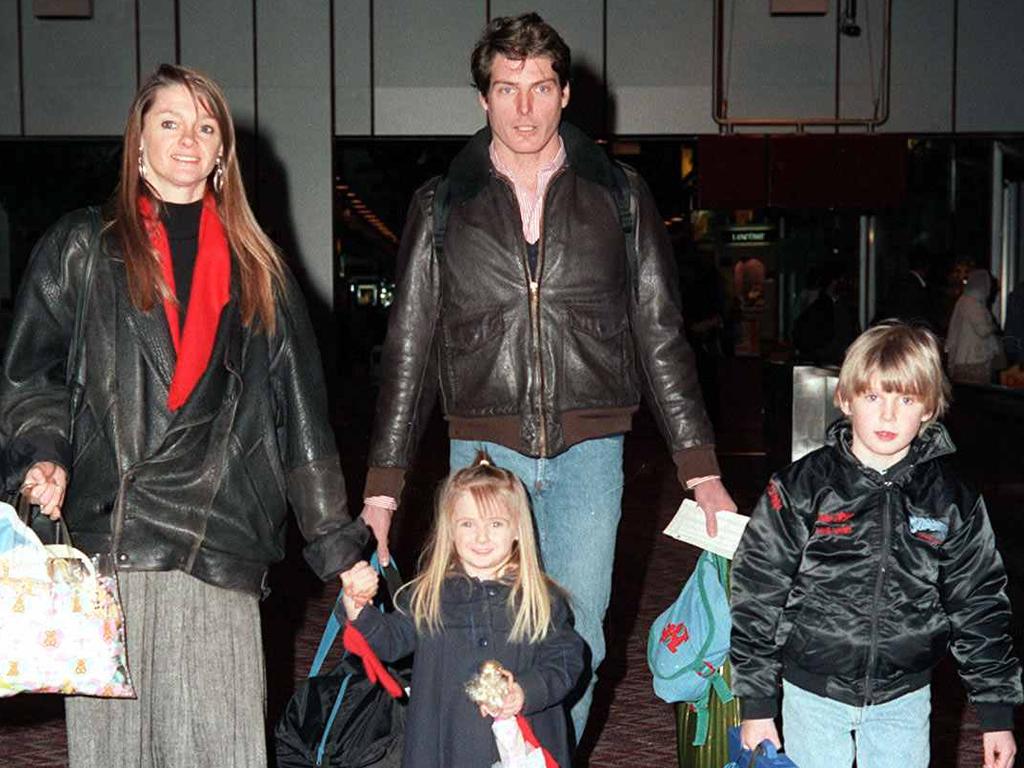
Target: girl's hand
x: 44, y: 484
x: 358, y: 587
x: 513, y: 703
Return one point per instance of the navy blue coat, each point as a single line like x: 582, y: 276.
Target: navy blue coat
x: 444, y: 729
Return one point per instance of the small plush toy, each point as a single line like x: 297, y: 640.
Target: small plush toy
x: 517, y: 745
x: 489, y: 686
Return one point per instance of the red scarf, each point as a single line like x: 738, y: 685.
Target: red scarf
x: 211, y: 282
x: 355, y: 643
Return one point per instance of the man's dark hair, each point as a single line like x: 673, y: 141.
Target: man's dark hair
x: 519, y: 38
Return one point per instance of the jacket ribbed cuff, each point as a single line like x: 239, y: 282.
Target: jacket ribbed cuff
x: 699, y: 461
x: 339, y: 550
x: 995, y: 717
x: 758, y: 709
x: 384, y: 481
x: 24, y: 451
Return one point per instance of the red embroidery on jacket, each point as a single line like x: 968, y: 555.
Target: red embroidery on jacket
x: 825, y: 518
x: 774, y: 498
x: 835, y: 530
x: 674, y: 635
x: 929, y: 537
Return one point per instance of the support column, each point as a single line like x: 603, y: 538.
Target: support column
x: 996, y: 222
x: 862, y: 274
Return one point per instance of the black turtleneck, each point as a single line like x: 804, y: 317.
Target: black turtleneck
x: 181, y: 221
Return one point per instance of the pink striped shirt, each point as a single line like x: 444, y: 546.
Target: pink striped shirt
x: 531, y: 204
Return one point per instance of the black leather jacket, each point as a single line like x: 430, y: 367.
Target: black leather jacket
x: 852, y: 584
x: 204, y: 489
x: 538, y: 360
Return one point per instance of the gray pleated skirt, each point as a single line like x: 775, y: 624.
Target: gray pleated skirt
x: 196, y: 658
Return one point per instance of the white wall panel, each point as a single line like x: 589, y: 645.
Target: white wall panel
x: 922, y: 66
x: 407, y: 72
x: 860, y: 85
x: 217, y: 37
x: 659, y: 66
x: 156, y: 35
x: 778, y: 66
x: 294, y: 176
x: 422, y: 84
x: 990, y: 66
x: 353, y: 79
x: 79, y: 74
x: 10, y: 90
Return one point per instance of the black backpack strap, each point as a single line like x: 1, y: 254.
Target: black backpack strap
x: 625, y: 201
x: 441, y: 208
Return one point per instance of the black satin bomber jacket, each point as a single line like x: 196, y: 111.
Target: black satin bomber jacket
x: 852, y: 584
x: 565, y: 358
x: 205, y: 489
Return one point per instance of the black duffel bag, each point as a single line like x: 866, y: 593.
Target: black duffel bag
x: 341, y: 719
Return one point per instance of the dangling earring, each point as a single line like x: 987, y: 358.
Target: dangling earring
x: 218, y: 175
x: 142, y: 162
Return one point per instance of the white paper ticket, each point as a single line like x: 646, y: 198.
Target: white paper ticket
x: 688, y: 525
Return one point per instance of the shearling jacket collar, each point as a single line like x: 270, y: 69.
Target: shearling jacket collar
x: 934, y: 442
x: 471, y: 168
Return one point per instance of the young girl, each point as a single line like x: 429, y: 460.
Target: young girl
x: 480, y: 595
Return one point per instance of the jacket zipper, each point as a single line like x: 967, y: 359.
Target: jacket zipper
x: 537, y: 361
x: 534, y: 282
x: 879, y: 582
x: 535, y: 291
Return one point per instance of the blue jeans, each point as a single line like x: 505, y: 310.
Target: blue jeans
x: 823, y: 733
x: 577, y: 502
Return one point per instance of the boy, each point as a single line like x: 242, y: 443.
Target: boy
x: 863, y: 562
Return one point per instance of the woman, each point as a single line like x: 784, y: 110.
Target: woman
x: 972, y: 345
x: 172, y: 427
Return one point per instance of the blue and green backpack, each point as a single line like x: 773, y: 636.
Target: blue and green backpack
x: 689, y: 642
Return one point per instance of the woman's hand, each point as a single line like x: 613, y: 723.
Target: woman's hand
x: 44, y: 484
x: 513, y: 703
x: 358, y: 587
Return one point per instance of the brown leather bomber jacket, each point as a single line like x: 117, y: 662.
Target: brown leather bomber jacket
x: 540, y: 365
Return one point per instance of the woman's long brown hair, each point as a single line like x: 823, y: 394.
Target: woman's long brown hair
x: 260, y: 270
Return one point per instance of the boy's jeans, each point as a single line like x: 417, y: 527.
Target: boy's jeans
x: 577, y: 502
x: 823, y: 733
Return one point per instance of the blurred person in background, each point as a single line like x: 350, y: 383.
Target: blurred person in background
x: 973, y: 348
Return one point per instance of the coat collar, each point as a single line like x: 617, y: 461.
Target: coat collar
x: 471, y: 169
x: 153, y: 337
x: 933, y: 443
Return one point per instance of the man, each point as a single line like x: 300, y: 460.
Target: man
x: 538, y: 325
x: 909, y: 297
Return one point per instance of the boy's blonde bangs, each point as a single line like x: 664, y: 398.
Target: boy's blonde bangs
x: 905, y: 358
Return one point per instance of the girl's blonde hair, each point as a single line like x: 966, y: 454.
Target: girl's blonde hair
x: 493, y: 490
x: 906, y: 358
x: 260, y: 270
